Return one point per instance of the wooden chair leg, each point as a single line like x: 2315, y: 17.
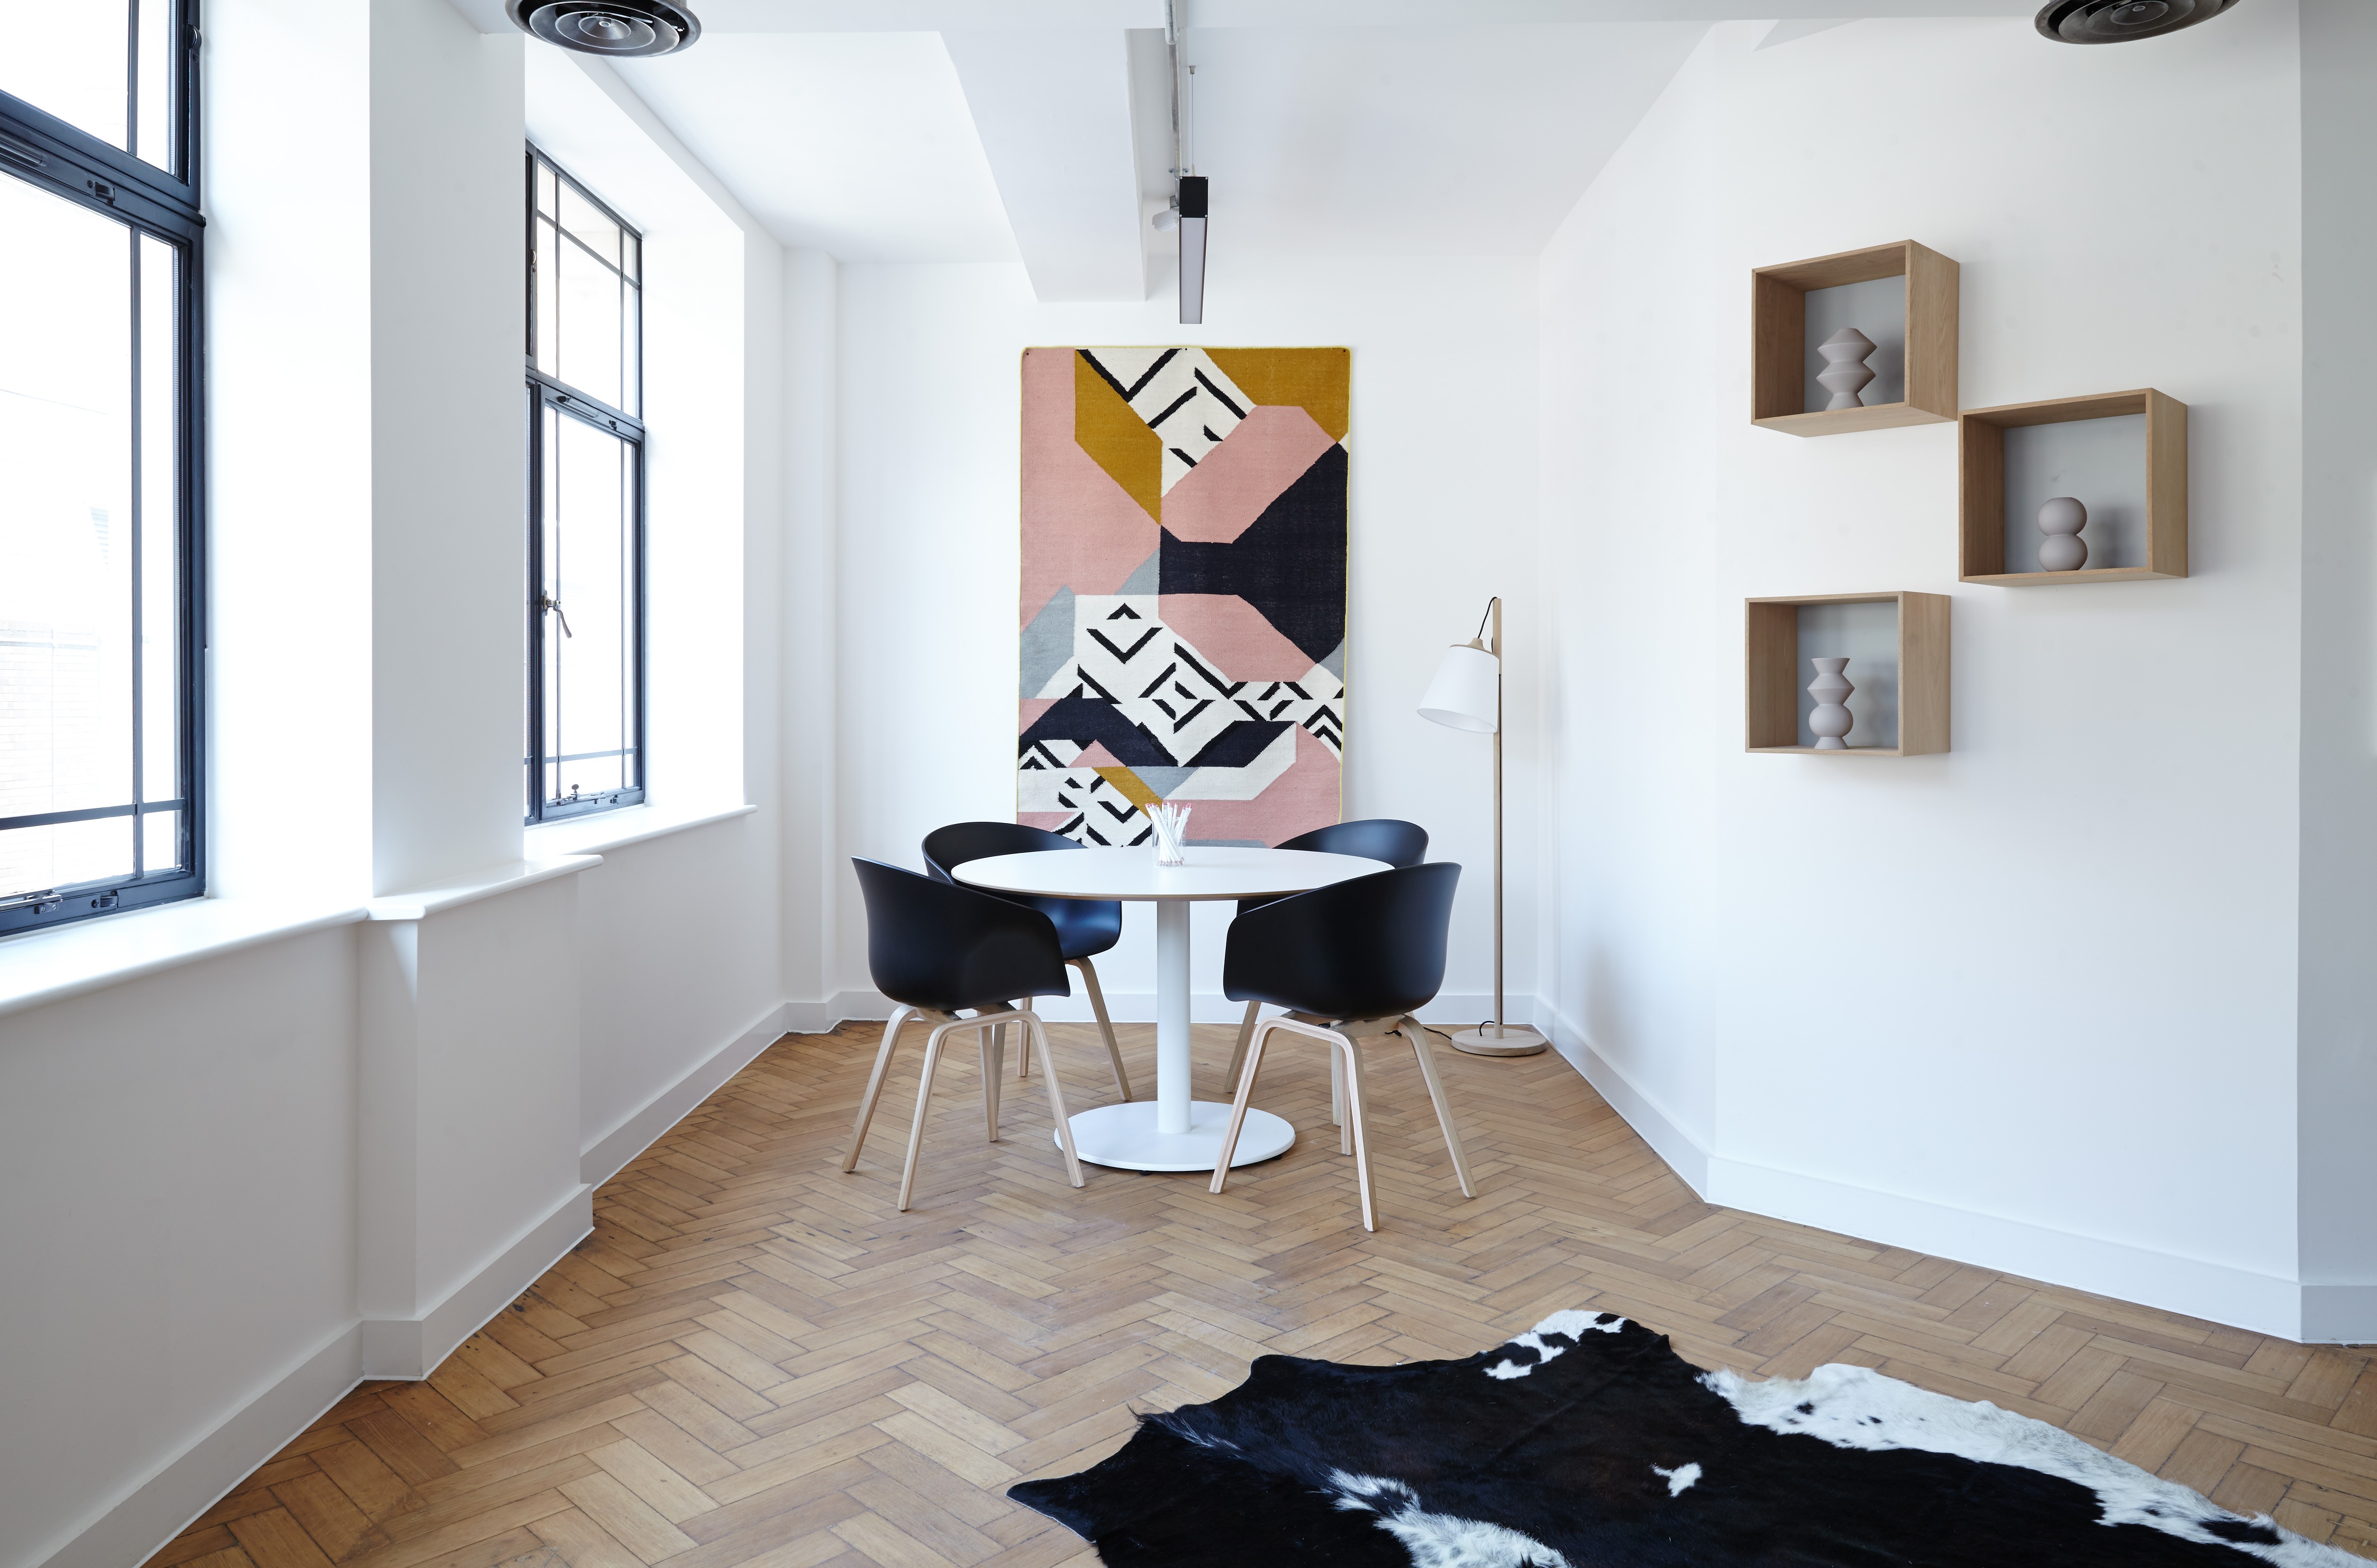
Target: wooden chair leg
x: 1337, y: 1100
x: 874, y: 1084
x: 1238, y: 1101
x: 993, y: 1045
x: 924, y: 1095
x: 1419, y: 1038
x: 1239, y: 1056
x: 1105, y: 1024
x: 1033, y: 1031
x: 1023, y: 1042
x: 1357, y: 1127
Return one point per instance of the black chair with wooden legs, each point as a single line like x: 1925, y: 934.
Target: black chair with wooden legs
x: 938, y: 949
x: 1085, y: 926
x: 1373, y: 838
x: 1350, y: 961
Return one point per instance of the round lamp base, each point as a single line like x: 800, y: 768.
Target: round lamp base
x: 1514, y: 1039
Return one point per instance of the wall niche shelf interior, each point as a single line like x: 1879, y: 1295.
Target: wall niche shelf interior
x: 1782, y: 347
x: 1914, y: 706
x: 1989, y: 511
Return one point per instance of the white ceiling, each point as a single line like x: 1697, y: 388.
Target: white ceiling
x: 855, y: 143
x: 1037, y: 130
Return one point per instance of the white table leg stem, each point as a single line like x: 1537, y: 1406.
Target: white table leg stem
x: 1172, y: 1086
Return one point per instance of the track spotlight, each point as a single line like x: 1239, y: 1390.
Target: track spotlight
x: 1192, y: 249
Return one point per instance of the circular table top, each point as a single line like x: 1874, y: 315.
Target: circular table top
x: 1212, y: 872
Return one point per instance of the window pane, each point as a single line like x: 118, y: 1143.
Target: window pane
x: 589, y: 326
x: 154, y: 100
x: 586, y: 220
x: 158, y: 503
x: 631, y: 390
x: 72, y: 58
x: 548, y: 296
x: 65, y: 535
x: 545, y: 182
x: 589, y: 570
x: 162, y: 840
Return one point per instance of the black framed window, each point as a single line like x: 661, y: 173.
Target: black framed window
x: 100, y: 442
x: 586, y: 746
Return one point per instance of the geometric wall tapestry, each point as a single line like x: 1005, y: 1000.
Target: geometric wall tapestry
x: 1184, y: 590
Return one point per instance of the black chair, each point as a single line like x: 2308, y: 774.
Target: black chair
x: 1373, y: 838
x: 937, y: 949
x: 1351, y: 962
x: 1084, y: 926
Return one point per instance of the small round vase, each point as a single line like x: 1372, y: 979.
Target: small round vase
x: 1831, y: 719
x: 1846, y: 374
x: 2062, y: 550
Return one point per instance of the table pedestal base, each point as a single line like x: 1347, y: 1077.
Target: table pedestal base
x: 1125, y: 1136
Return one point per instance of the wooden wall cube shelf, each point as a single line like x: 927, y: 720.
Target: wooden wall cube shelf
x: 1779, y: 349
x: 1776, y: 677
x: 1980, y: 463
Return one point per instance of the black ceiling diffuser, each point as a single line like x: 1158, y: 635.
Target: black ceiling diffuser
x: 2118, y: 21
x: 616, y: 27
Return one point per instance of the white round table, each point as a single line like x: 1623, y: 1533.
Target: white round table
x: 1175, y: 1133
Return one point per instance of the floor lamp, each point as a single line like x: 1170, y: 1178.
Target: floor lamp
x: 1467, y: 695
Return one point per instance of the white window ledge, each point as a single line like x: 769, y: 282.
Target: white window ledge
x: 40, y: 968
x: 509, y: 877
x: 607, y: 831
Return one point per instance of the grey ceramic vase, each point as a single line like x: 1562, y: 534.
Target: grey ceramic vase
x: 2062, y: 550
x: 1846, y: 373
x: 1831, y: 720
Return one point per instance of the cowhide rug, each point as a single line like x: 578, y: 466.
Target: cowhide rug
x: 1587, y: 1442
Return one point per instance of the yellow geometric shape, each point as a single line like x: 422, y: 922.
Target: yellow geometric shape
x: 1131, y: 785
x: 1117, y: 440
x: 1318, y: 381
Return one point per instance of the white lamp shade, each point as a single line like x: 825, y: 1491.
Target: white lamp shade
x: 1464, y: 693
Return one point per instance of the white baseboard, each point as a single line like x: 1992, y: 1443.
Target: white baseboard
x: 2219, y: 1292
x: 412, y: 1347
x: 2339, y: 1314
x: 155, y: 1510
x: 640, y: 1129
x: 1669, y: 1142
x: 1453, y: 1010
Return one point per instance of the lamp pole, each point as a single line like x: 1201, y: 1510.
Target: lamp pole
x: 1496, y: 1038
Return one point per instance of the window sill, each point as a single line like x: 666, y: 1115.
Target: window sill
x: 513, y: 875
x: 617, y: 830
x: 41, y: 967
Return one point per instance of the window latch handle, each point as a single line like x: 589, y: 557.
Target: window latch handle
x: 552, y: 605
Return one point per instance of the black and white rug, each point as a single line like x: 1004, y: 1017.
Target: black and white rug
x: 1587, y: 1442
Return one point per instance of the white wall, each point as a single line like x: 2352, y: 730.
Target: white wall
x: 2339, y: 1078
x: 1443, y: 517
x: 243, y: 1181
x: 2032, y: 1003
x: 179, y: 1156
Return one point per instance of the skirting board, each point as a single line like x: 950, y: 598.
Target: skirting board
x: 154, y: 1511
x: 2219, y: 1292
x: 412, y: 1347
x: 609, y: 1155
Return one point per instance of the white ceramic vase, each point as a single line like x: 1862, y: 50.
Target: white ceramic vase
x: 1831, y: 719
x: 1846, y: 373
x: 2062, y: 550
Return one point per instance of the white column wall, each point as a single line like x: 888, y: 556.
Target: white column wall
x: 2030, y: 1003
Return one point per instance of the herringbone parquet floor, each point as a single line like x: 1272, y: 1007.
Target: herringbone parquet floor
x: 756, y: 1362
